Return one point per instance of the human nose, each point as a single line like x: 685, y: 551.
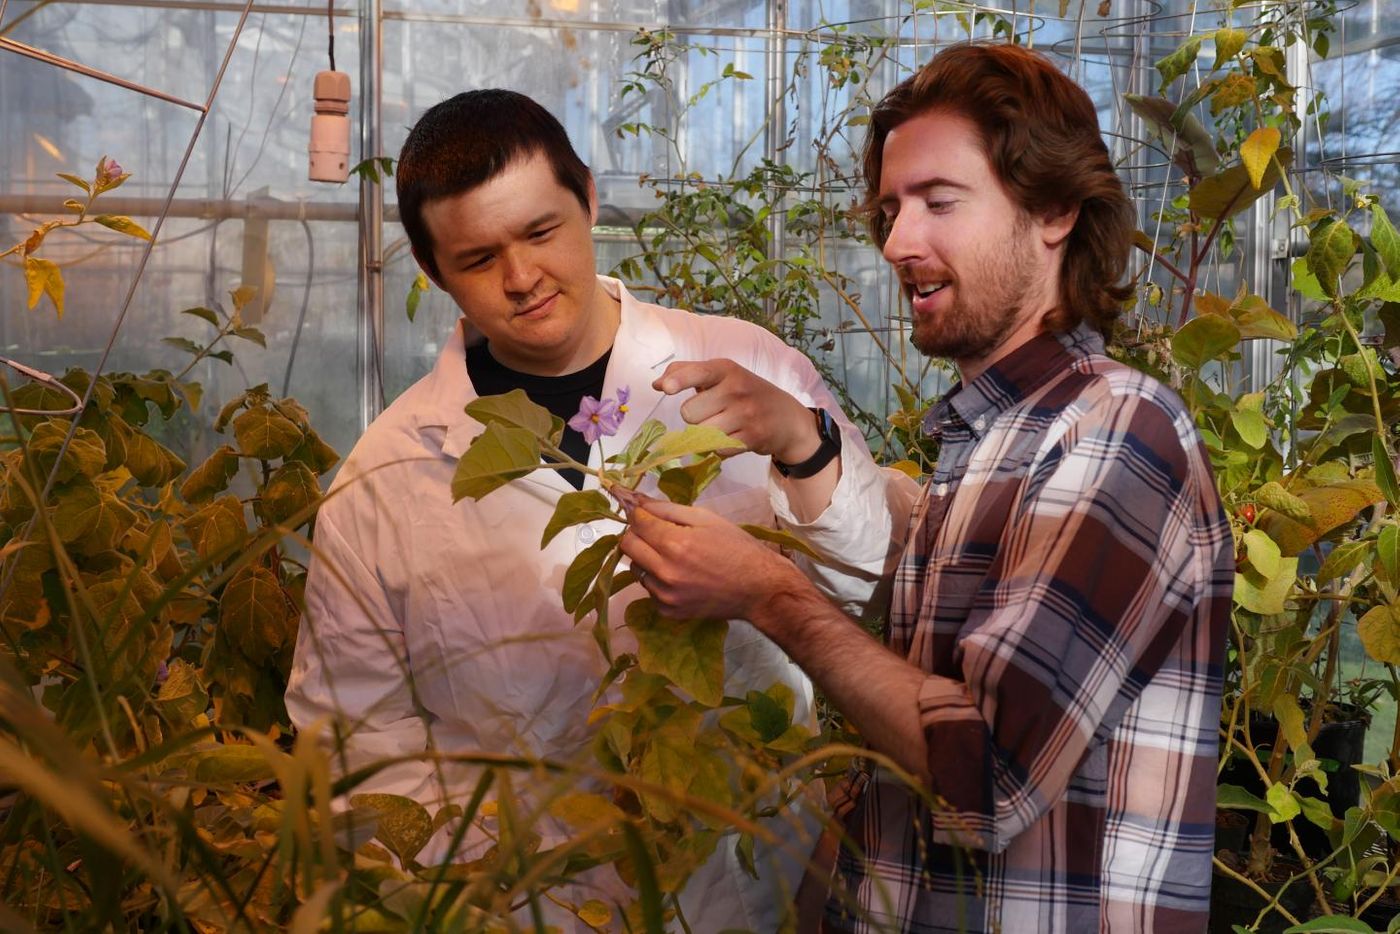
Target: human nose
x: 902, y: 243
x: 521, y: 273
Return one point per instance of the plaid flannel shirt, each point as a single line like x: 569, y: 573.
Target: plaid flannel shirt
x: 1066, y: 583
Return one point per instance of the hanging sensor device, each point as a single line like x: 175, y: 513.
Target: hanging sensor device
x: 330, y: 128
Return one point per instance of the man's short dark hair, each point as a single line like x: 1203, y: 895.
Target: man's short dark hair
x: 468, y: 140
x: 1040, y: 132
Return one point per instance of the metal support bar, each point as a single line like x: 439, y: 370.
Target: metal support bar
x: 58, y: 61
x: 371, y: 299
x: 271, y: 209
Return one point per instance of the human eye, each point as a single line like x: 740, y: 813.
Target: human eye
x: 476, y: 262
x: 543, y: 233
x: 938, y: 205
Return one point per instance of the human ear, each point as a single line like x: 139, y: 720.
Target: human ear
x: 1056, y: 225
x: 592, y: 201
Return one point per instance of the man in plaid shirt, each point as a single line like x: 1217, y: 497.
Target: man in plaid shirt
x: 1060, y: 589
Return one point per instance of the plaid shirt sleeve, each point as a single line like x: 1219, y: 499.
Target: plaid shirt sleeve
x: 1092, y: 579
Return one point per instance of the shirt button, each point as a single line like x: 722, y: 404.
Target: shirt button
x: 980, y: 424
x: 586, y: 534
x: 941, y: 489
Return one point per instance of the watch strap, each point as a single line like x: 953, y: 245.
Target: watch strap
x: 830, y: 434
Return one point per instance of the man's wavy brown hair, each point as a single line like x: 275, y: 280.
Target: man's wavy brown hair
x: 1041, y: 135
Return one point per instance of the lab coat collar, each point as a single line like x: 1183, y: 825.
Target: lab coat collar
x: 642, y: 348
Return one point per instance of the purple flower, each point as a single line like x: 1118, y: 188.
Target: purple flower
x: 162, y: 672
x: 596, y: 419
x: 108, y: 169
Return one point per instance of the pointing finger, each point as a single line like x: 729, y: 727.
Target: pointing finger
x: 690, y: 374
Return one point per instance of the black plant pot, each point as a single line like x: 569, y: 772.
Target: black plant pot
x: 1340, y: 740
x: 1232, y: 902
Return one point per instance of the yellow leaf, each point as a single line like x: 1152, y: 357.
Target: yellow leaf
x: 44, y: 278
x: 1379, y: 630
x: 1257, y: 151
x: 594, y: 913
x: 242, y: 296
x: 122, y: 224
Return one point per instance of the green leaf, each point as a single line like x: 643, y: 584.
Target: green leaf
x: 1342, y: 560
x: 1260, y: 321
x: 497, y: 456
x: 637, y: 448
x: 783, y: 539
x: 669, y: 760
x: 150, y: 462
x: 1273, y: 496
x: 1228, y: 43
x: 690, y: 653
x: 578, y: 579
x: 1379, y: 630
x: 76, y: 510
x: 1330, y: 253
x: 1386, y: 241
x: 1258, y: 151
x: 204, y: 314
x: 254, y: 615
x: 44, y: 278
x: 404, y: 825
x: 1284, y: 803
x: 81, y: 183
x: 212, y: 476
x: 694, y: 439
x: 1385, y: 472
x: 184, y: 343
x: 685, y: 484
x: 264, y: 434
x: 86, y: 455
x: 1388, y: 554
x: 1252, y: 427
x: 250, y: 334
x: 1237, y: 798
x: 182, y: 696
x: 515, y: 410
x: 1229, y: 192
x: 1263, y: 553
x: 218, y: 528
x: 1291, y: 721
x: 1178, y: 63
x: 230, y: 763
x: 314, y: 452
x: 1331, y: 924
x: 1305, y: 283
x: 576, y: 508
x: 124, y: 225
x: 289, y: 493
x: 1266, y: 596
x: 1203, y: 339
x: 416, y: 289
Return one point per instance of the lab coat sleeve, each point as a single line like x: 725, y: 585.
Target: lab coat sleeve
x: 860, y: 535
x: 351, y: 669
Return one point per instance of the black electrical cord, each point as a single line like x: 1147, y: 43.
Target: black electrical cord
x: 330, y: 30
x: 305, y: 300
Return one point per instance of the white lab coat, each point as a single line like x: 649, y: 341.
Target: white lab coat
x: 461, y: 595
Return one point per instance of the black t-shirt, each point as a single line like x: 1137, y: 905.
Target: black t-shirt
x: 561, y: 395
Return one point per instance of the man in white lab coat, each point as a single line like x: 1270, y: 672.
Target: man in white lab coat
x: 438, y: 625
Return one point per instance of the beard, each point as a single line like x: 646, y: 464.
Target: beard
x: 988, y: 300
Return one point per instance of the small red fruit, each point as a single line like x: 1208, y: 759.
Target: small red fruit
x: 1247, y: 513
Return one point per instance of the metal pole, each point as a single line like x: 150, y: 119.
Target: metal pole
x: 371, y: 304
x: 776, y: 135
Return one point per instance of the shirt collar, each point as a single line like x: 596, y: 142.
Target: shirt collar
x: 1011, y: 379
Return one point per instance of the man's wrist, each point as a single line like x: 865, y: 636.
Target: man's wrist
x: 814, y: 457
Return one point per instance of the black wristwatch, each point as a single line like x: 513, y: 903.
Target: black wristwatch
x: 830, y: 433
